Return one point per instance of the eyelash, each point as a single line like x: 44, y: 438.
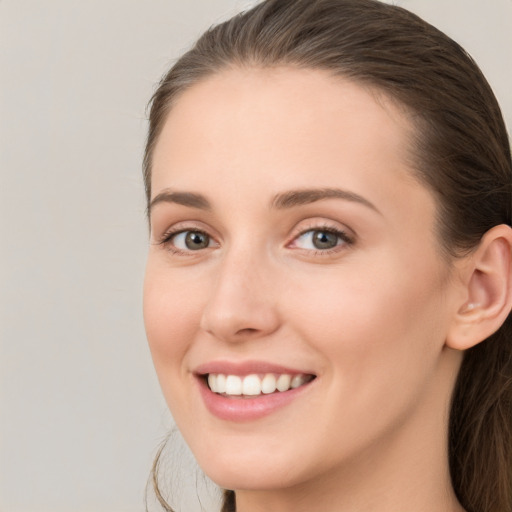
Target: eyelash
x: 344, y: 238
x: 166, y: 240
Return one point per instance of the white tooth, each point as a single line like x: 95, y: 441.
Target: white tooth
x: 283, y: 382
x: 212, y: 382
x: 233, y: 385
x: 268, y: 384
x: 297, y: 381
x: 251, y: 385
x: 221, y: 383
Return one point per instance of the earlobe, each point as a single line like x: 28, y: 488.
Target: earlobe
x: 488, y: 291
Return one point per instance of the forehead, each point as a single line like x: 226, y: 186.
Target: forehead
x: 267, y: 130
x: 244, y: 113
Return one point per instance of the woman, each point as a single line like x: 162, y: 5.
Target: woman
x: 328, y: 286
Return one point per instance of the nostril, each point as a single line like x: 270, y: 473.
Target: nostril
x: 247, y: 330
x: 231, y: 317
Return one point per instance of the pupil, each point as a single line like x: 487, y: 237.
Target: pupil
x: 325, y: 240
x: 195, y: 240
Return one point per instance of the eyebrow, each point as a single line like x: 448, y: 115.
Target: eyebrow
x: 300, y: 197
x: 285, y: 200
x: 190, y: 199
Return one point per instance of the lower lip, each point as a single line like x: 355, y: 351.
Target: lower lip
x: 239, y: 409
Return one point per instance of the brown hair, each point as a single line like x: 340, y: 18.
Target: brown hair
x: 462, y: 154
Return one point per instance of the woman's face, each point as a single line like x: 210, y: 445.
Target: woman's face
x: 291, y: 246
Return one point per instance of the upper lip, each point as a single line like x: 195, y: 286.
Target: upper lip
x: 246, y: 368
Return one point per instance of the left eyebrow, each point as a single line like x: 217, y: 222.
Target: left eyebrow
x: 184, y: 198
x: 311, y: 195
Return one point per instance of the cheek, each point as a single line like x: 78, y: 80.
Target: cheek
x: 171, y: 318
x: 380, y: 342
x: 375, y: 324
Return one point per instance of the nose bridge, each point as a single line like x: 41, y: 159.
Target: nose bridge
x: 241, y: 303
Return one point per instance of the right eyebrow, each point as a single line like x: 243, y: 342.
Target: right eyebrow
x: 299, y: 197
x: 189, y: 199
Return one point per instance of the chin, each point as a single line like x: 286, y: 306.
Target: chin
x: 249, y: 480
x: 231, y: 471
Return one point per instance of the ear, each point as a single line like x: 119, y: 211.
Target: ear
x: 487, y: 295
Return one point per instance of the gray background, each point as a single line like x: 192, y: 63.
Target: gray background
x: 81, y: 412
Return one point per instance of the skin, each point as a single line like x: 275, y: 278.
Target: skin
x: 369, y: 318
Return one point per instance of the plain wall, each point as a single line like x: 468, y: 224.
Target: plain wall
x: 81, y: 411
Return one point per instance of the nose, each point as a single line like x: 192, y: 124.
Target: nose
x: 242, y: 303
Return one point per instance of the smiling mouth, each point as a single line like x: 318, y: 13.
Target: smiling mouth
x: 255, y: 385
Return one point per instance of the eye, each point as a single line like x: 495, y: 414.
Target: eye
x: 321, y: 239
x: 190, y: 240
